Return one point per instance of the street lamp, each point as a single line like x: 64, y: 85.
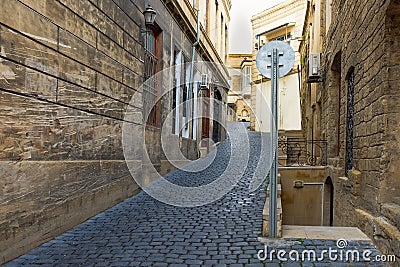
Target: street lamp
x: 149, y: 16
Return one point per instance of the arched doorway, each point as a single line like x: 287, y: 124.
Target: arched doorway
x: 328, y: 202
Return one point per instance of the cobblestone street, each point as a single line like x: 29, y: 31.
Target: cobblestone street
x: 142, y: 231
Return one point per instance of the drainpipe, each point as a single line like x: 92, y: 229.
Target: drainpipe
x: 194, y: 50
x: 190, y: 89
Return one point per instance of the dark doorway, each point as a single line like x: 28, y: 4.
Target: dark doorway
x: 217, y: 115
x: 328, y: 202
x: 205, y: 121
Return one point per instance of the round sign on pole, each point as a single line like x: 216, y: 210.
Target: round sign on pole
x: 285, y: 58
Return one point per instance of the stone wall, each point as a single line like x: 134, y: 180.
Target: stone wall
x: 68, y: 71
x: 364, y: 38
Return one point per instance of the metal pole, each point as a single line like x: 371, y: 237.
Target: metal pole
x: 273, y: 196
x: 191, y: 74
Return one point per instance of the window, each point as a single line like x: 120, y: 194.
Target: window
x: 151, y: 106
x: 216, y: 24
x: 206, y: 22
x: 349, y: 121
x: 184, y: 100
x: 246, y: 77
x: 226, y: 43
x: 186, y: 107
x: 173, y: 108
x: 176, y: 95
x: 282, y: 37
x: 221, y: 33
x: 173, y: 102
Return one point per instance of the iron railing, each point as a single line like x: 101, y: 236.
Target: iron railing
x: 301, y: 152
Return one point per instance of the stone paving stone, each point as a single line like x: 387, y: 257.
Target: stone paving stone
x: 322, y: 264
x: 255, y: 265
x: 142, y: 231
x: 291, y: 264
x: 244, y: 261
x: 376, y: 264
x: 307, y: 264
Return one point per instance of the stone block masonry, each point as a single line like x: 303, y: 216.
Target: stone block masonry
x: 68, y: 71
x: 364, y: 40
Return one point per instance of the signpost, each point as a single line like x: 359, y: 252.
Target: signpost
x: 274, y: 60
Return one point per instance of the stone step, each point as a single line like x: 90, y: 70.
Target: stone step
x: 323, y: 232
x: 279, y: 191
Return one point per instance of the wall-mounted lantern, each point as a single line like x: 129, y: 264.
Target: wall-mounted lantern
x: 149, y: 16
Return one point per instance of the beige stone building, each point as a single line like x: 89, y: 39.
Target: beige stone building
x: 239, y: 106
x: 282, y: 22
x: 215, y: 18
x: 352, y: 102
x: 69, y: 72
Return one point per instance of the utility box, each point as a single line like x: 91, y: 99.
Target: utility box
x: 314, y: 68
x: 204, y: 81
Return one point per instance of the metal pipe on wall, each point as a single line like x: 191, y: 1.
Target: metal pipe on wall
x: 191, y: 74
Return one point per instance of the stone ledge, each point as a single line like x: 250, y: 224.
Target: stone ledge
x: 302, y: 167
x: 392, y: 212
x: 385, y: 235
x: 265, y: 216
x: 323, y: 232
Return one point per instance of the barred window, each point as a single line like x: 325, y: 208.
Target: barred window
x: 151, y: 86
x: 349, y: 121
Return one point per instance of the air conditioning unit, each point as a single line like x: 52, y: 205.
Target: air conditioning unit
x: 204, y: 81
x: 314, y: 68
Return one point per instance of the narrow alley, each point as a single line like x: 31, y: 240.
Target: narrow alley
x: 142, y: 231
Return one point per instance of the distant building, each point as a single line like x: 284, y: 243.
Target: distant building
x: 282, y: 22
x: 239, y: 108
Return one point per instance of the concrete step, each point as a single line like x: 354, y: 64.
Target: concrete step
x: 323, y: 233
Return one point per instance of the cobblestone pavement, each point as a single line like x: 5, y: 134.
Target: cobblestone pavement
x: 142, y: 231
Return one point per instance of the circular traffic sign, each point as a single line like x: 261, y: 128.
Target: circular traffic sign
x: 285, y: 58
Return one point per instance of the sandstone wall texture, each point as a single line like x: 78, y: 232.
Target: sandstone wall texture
x: 364, y: 37
x: 68, y: 72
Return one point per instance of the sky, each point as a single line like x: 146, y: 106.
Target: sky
x: 240, y: 26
